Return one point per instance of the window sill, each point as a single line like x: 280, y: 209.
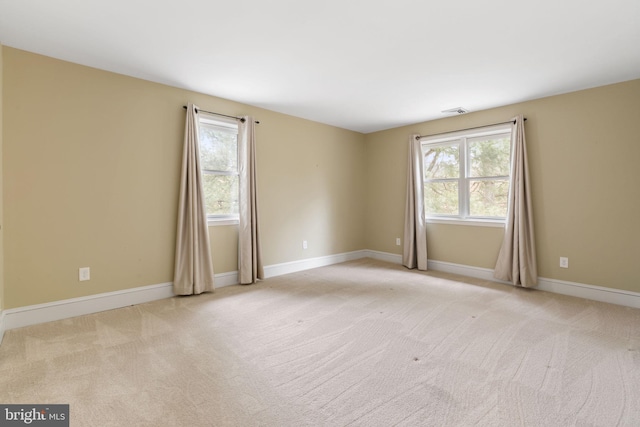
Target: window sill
x: 472, y: 222
x: 212, y: 222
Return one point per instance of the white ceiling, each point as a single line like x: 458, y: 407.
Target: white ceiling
x: 360, y: 65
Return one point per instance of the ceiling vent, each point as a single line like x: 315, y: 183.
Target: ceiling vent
x: 457, y: 110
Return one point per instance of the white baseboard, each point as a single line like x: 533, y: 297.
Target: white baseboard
x: 1, y: 326
x: 592, y: 292
x: 384, y: 256
x: 64, y: 309
x: 580, y: 290
x: 57, y: 310
x: 464, y: 270
x: 306, y: 264
x: 226, y: 279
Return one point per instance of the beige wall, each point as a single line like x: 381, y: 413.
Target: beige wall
x: 583, y: 148
x: 91, y: 173
x: 91, y: 163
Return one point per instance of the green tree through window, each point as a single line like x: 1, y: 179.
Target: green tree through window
x: 467, y: 176
x: 219, y: 165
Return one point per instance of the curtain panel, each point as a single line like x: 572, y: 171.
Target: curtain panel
x: 414, y: 254
x: 517, y: 258
x: 249, y: 251
x: 193, y: 273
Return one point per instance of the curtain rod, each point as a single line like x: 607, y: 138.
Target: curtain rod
x: 219, y: 114
x: 475, y: 127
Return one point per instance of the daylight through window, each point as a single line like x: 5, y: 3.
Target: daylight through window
x: 466, y: 175
x: 219, y: 165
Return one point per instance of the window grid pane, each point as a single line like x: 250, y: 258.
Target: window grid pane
x: 219, y: 165
x: 489, y: 157
x: 488, y: 198
x: 221, y: 194
x: 218, y: 149
x: 441, y: 197
x: 441, y: 162
x: 467, y: 177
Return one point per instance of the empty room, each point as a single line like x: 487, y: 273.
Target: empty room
x: 319, y: 213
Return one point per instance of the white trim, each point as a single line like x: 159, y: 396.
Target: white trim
x: 464, y: 270
x: 592, y: 292
x: 1, y: 325
x: 64, y: 309
x: 580, y: 290
x: 214, y: 222
x: 306, y: 264
x: 473, y: 222
x: 221, y: 123
x: 384, y: 256
x: 57, y: 310
x: 226, y: 279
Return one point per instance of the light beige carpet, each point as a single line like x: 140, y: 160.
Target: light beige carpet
x: 364, y: 343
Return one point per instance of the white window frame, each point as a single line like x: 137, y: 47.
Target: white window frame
x: 463, y: 138
x: 225, y: 125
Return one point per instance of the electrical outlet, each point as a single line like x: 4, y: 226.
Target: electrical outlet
x: 564, y: 262
x: 84, y: 273
x: 304, y: 244
x: 397, y: 241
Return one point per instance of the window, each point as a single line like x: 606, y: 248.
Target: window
x: 219, y: 164
x: 466, y: 175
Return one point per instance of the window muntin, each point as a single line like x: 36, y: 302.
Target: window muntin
x: 219, y: 167
x: 466, y: 175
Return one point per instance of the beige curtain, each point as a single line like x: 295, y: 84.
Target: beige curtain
x: 414, y: 253
x: 193, y: 272
x: 517, y: 258
x: 249, y: 252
